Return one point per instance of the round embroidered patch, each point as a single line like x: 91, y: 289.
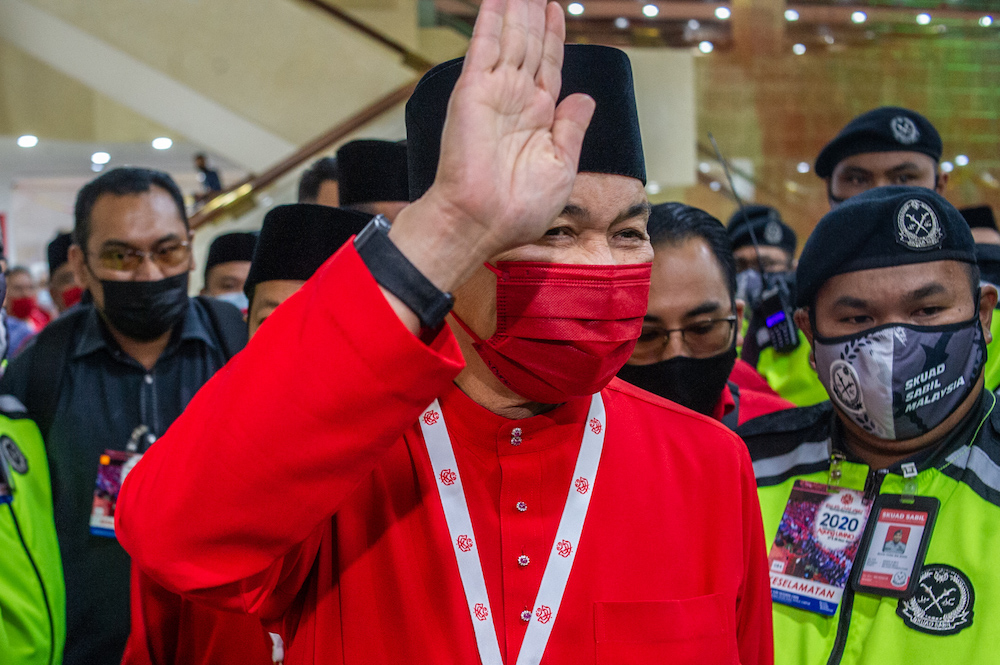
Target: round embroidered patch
x: 918, y: 226
x: 904, y: 130
x: 943, y: 604
x: 14, y: 456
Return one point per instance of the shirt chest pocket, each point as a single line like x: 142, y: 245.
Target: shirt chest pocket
x: 695, y: 630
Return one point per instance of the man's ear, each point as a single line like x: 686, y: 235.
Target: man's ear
x: 987, y: 303
x: 942, y: 182
x: 77, y: 262
x: 803, y: 323
x: 741, y: 308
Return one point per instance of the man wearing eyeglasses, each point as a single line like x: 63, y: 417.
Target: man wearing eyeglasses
x: 687, y: 348
x: 106, y: 380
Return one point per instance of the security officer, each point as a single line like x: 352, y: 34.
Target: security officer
x: 885, y: 146
x: 984, y: 231
x: 770, y: 259
x: 32, y: 594
x: 891, y: 303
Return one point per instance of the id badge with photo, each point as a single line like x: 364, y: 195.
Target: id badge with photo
x: 113, y: 467
x: 894, y: 545
x: 815, y: 547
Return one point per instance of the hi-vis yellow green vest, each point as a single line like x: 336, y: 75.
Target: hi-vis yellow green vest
x: 955, y: 615
x: 32, y: 595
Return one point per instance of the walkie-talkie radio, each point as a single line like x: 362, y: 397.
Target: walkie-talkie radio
x: 775, y: 306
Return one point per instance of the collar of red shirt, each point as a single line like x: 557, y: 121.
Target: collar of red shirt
x: 470, y: 423
x: 725, y: 405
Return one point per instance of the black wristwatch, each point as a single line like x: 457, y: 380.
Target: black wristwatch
x: 400, y: 277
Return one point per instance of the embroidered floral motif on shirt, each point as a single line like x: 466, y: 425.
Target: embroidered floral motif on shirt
x: 448, y: 477
x: 564, y: 548
x: 431, y: 417
x: 464, y: 543
x: 582, y: 485
x: 595, y: 426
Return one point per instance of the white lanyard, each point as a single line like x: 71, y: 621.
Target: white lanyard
x: 456, y: 512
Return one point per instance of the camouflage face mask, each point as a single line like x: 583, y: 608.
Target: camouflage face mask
x: 899, y: 382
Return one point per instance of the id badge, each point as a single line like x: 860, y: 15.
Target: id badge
x: 113, y: 467
x: 813, y: 552
x: 894, y: 545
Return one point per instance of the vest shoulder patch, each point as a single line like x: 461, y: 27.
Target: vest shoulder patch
x: 12, y: 453
x: 943, y: 604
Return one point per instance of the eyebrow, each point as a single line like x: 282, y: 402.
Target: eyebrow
x: 114, y: 241
x: 706, y: 307
x: 906, y: 166
x: 932, y: 289
x: 636, y: 210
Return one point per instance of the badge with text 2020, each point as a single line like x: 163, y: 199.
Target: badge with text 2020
x: 817, y: 540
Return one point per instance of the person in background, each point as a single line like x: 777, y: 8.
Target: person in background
x: 373, y: 177
x: 983, y: 225
x: 358, y: 560
x: 787, y: 372
x: 890, y: 300
x: 104, y: 380
x: 63, y: 287
x: 22, y: 299
x: 18, y: 331
x: 227, y: 266
x: 32, y: 593
x: 208, y: 176
x: 295, y: 240
x: 885, y: 146
x: 320, y: 183
x: 687, y: 349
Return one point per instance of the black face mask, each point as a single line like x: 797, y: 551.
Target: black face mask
x: 696, y: 383
x: 144, y: 311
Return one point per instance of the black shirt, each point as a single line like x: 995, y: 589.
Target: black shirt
x: 105, y: 394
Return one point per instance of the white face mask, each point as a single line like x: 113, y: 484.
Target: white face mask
x: 236, y: 298
x: 898, y: 382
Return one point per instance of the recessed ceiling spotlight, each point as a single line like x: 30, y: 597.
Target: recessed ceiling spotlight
x: 706, y: 47
x: 650, y: 10
x: 653, y: 187
x: 574, y: 8
x: 693, y: 24
x: 101, y: 158
x: 962, y: 160
x: 714, y: 186
x: 723, y: 13
x: 704, y: 167
x: 791, y: 15
x: 803, y: 167
x: 828, y: 39
x: 859, y: 17
x: 947, y: 167
x: 986, y: 21
x: 27, y: 141
x: 621, y: 23
x: 923, y: 19
x: 162, y: 143
x: 799, y: 49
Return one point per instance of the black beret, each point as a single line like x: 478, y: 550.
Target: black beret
x: 59, y: 251
x: 612, y: 143
x: 372, y: 171
x: 767, y: 226
x: 295, y: 240
x: 231, y: 247
x: 885, y: 129
x: 979, y: 217
x: 988, y: 258
x: 883, y: 227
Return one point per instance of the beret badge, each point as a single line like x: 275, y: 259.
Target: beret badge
x: 904, y: 130
x: 918, y: 226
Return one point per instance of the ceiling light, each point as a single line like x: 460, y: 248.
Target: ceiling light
x: 704, y: 167
x: 791, y: 15
x: 693, y: 24
x: 706, y: 47
x: 947, y: 167
x: 859, y: 17
x: 27, y: 141
x: 986, y: 21
x: 714, y: 186
x: 722, y: 13
x: 162, y: 143
x: 621, y: 23
x: 803, y: 167
x: 100, y: 158
x: 962, y: 160
x: 828, y: 39
x: 653, y: 187
x: 650, y: 10
x: 575, y: 8
x: 923, y: 19
x: 799, y: 49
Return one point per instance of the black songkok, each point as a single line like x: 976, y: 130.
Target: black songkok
x: 885, y: 129
x: 230, y: 247
x: 612, y: 143
x: 979, y: 217
x: 372, y: 171
x: 59, y: 251
x: 883, y: 227
x: 988, y: 258
x: 295, y: 240
x: 767, y: 225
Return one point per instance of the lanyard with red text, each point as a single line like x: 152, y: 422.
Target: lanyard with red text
x: 456, y: 512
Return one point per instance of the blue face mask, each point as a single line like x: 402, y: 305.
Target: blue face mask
x: 236, y: 298
x: 898, y: 382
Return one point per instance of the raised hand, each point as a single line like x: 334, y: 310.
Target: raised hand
x: 509, y: 153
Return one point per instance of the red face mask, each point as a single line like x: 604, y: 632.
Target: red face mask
x: 563, y: 331
x: 21, y: 308
x: 71, y: 296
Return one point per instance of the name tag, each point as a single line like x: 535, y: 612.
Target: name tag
x: 895, y: 544
x: 113, y: 467
x: 815, y: 547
